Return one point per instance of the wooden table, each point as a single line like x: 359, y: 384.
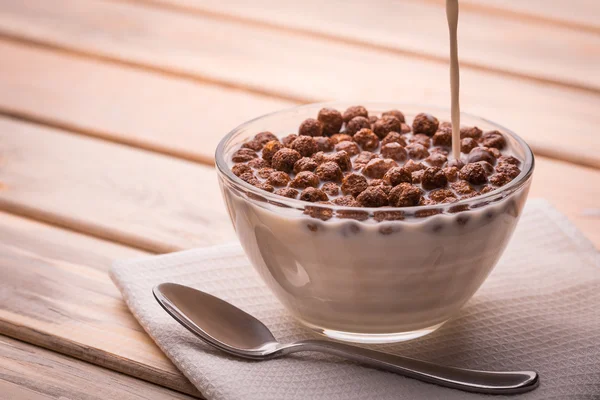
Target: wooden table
x: 110, y: 112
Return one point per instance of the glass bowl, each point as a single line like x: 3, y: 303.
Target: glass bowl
x: 359, y: 274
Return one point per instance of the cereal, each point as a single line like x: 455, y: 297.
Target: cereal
x: 433, y: 178
x: 425, y: 123
x: 394, y: 113
x: 311, y: 127
x: 323, y: 143
x: 305, y: 179
x: 393, y: 137
x: 243, y: 155
x: 377, y: 167
x: 356, y: 124
x: 417, y: 151
x: 332, y: 121
x: 353, y: 112
x: 329, y: 171
x: 270, y: 149
x: 373, y: 196
x: 470, y: 132
x: 305, y: 164
x: 467, y: 144
x: 331, y: 188
x: 395, y: 151
x: 278, y: 178
x: 349, y: 147
x: 493, y: 139
x: 354, y: 184
x: 405, y: 195
x: 397, y: 175
x: 340, y: 137
x: 305, y: 145
x: 285, y: 159
x: 366, y: 139
x: 239, y: 169
x: 442, y: 138
x: 473, y: 173
x: 313, y: 195
x: 375, y: 162
x: 385, y: 125
x: 287, y: 192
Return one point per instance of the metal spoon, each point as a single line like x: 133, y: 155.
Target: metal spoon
x: 236, y: 332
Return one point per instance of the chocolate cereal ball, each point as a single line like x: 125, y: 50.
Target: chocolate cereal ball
x: 473, y: 173
x: 243, y: 155
x: 253, y: 144
x: 405, y: 195
x: 377, y: 167
x: 493, y: 139
x: 310, y: 127
x: 433, y: 178
x: 323, y: 143
x: 305, y: 145
x: 285, y: 159
x: 305, y: 164
x: 394, y: 151
x: 421, y: 139
x: 239, y: 169
x: 270, y: 149
x: 467, y: 144
x: 330, y: 188
x: 397, y: 175
x: 258, y: 163
x: 287, y: 192
x: 305, y: 179
x: 353, y: 112
x: 349, y: 147
x: 385, y: 125
x: 289, y: 139
x: 329, y: 171
x: 393, y: 137
x: 313, y: 195
x: 373, y: 196
x: 265, y: 137
x: 425, y: 123
x: 346, y: 201
x: 265, y: 172
x: 442, y: 138
x: 417, y: 151
x: 394, y: 113
x: 509, y: 169
x: 340, y: 137
x: 481, y: 154
x: 278, y: 178
x: 341, y: 158
x: 363, y: 158
x: 356, y: 124
x: 366, y: 139
x: 436, y: 159
x: 332, y: 121
x: 354, y: 184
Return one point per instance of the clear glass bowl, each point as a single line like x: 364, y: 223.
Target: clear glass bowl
x: 353, y: 278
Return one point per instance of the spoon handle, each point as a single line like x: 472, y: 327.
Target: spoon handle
x: 464, y: 379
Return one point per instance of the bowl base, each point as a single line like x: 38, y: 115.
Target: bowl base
x: 373, y: 338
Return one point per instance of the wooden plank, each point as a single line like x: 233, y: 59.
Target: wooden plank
x: 31, y: 373
x: 201, y: 47
x: 126, y: 195
x: 164, y: 114
x: 488, y: 41
x: 574, y: 14
x: 56, y: 293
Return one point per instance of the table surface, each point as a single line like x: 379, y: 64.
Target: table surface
x: 110, y: 111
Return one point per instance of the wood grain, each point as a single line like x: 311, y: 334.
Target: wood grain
x: 56, y: 293
x: 231, y: 53
x: 164, y: 114
x: 130, y: 196
x: 488, y: 41
x: 574, y: 14
x: 31, y: 373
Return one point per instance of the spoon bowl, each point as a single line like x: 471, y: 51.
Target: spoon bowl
x: 238, y: 333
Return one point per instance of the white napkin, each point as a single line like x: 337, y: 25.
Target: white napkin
x: 539, y: 309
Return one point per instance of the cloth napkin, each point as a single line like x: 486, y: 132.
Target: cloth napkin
x: 539, y: 309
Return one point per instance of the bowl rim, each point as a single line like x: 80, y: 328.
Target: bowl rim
x: 492, y: 196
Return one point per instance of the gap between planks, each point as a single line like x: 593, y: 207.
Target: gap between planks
x: 351, y: 41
